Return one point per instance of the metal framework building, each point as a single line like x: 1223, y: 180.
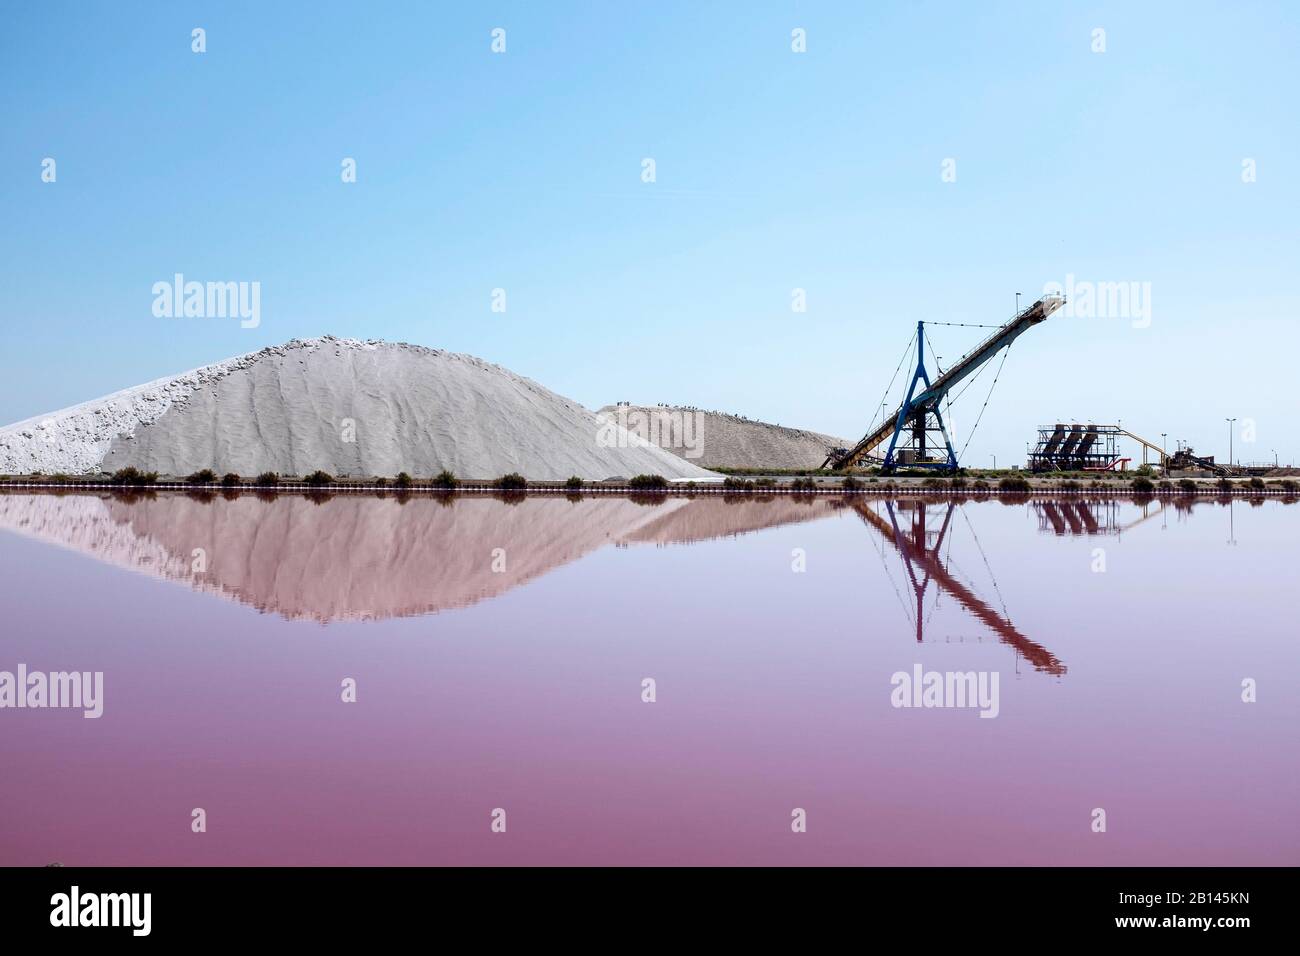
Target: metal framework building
x: 1076, y: 447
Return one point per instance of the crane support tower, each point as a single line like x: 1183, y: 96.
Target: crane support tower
x: 910, y: 429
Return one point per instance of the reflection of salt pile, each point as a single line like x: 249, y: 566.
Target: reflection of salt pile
x: 715, y: 440
x: 342, y: 406
x: 363, y: 556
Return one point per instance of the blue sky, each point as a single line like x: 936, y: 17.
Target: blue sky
x: 775, y: 170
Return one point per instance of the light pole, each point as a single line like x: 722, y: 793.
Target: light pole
x: 1229, y: 421
x: 1017, y: 303
x: 995, y: 462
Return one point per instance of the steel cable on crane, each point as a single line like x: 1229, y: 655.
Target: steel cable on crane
x: 911, y: 345
x: 986, y: 401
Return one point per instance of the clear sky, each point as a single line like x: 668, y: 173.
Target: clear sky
x: 774, y: 170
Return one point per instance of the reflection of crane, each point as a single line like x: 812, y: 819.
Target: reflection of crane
x: 920, y: 556
x: 917, y: 409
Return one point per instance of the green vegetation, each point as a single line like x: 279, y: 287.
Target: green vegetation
x: 737, y: 484
x: 648, y: 482
x: 979, y: 484
x: 204, y: 476
x: 1013, y: 483
x: 1142, y: 485
x: 850, y: 483
x: 511, y: 482
x: 230, y: 480
x: 1256, y: 484
x: 957, y: 482
x: 574, y: 483
x: 403, y: 480
x: 803, y: 484
x: 133, y: 476
x: 1187, y: 485
x: 445, y: 479
x: 318, y: 479
x: 267, y: 479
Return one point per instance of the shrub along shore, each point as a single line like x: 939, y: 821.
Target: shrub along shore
x: 962, y: 483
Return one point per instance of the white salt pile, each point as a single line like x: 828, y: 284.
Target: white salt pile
x: 719, y: 440
x: 343, y: 406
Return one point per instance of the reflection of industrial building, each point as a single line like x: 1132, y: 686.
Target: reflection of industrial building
x: 1089, y: 447
x: 1084, y: 517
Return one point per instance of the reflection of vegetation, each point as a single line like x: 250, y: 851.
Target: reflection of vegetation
x: 130, y: 496
x: 646, y: 498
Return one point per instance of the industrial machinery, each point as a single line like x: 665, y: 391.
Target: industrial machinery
x: 911, y: 429
x: 1089, y: 447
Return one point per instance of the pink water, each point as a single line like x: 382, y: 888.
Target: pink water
x: 521, y: 688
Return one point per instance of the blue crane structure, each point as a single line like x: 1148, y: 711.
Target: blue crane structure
x: 912, y: 421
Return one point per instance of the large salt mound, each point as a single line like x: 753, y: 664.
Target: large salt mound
x: 717, y: 440
x: 343, y: 406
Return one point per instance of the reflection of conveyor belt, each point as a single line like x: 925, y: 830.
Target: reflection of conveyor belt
x: 918, y: 556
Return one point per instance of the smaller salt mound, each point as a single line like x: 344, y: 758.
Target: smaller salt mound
x: 718, y: 440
